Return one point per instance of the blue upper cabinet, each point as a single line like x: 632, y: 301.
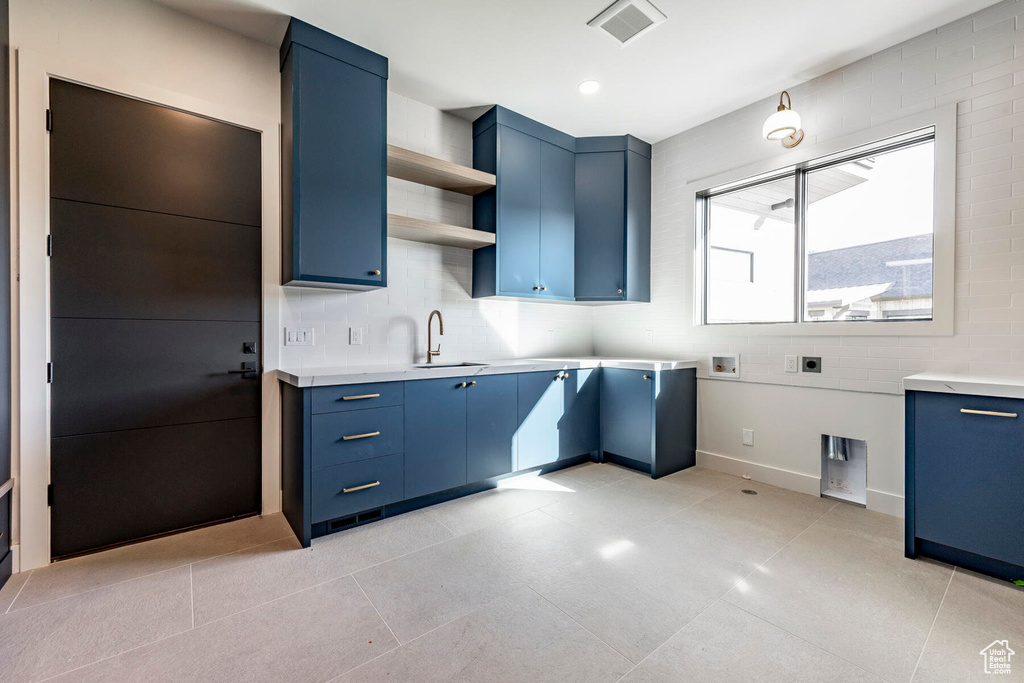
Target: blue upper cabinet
x: 531, y: 210
x: 613, y: 219
x: 334, y: 156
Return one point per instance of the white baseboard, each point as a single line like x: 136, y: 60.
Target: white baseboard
x: 776, y: 476
x: 879, y: 501
x: 888, y: 503
x: 15, y: 558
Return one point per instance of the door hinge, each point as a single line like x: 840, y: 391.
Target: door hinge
x: 49, y: 495
x: 49, y: 121
x: 49, y: 245
x: 49, y: 373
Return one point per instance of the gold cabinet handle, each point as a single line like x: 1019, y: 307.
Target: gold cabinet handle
x: 647, y: 376
x: 544, y: 289
x: 987, y: 412
x: 473, y: 383
x: 360, y: 436
x: 536, y: 287
x: 360, y: 488
x: 356, y: 398
x: 620, y: 291
x: 462, y: 384
x: 375, y: 272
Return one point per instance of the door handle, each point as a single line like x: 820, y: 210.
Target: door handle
x: 248, y: 371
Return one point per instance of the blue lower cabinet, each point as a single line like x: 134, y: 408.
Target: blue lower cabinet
x: 649, y: 419
x: 435, y: 435
x: 491, y: 423
x: 344, y: 489
x: 357, y: 396
x: 627, y: 414
x: 966, y: 476
x: 558, y: 416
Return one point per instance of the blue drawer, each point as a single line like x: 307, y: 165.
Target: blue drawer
x: 357, y: 435
x: 358, y: 396
x: 330, y: 499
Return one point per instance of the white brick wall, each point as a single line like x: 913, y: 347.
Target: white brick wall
x: 977, y: 62
x: 422, y: 277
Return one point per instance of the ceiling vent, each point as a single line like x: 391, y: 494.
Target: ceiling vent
x: 627, y: 20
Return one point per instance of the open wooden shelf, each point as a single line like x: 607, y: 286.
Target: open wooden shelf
x: 419, y: 230
x: 427, y: 170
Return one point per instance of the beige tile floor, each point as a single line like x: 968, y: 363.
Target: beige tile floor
x: 594, y: 573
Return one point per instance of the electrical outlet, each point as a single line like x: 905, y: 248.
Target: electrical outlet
x: 551, y: 336
x: 298, y: 336
x: 649, y: 336
x: 748, y: 437
x: 812, y: 364
x: 791, y: 364
x: 355, y: 336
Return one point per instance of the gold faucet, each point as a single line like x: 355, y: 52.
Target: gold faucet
x: 440, y: 329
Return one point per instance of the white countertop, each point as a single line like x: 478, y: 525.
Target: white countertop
x: 1003, y: 387
x: 328, y: 376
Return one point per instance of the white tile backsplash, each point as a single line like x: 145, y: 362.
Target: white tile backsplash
x: 424, y: 277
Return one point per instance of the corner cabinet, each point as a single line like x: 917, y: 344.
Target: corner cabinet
x: 649, y: 419
x: 334, y: 161
x: 965, y: 475
x: 531, y: 210
x: 613, y: 219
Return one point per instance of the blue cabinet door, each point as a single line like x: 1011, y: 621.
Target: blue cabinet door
x: 518, y: 208
x: 969, y: 474
x: 627, y: 414
x: 600, y: 226
x: 435, y: 435
x: 557, y: 221
x: 540, y: 412
x: 335, y: 166
x: 490, y: 426
x: 579, y: 430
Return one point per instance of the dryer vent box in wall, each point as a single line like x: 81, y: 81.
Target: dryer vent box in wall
x: 627, y: 20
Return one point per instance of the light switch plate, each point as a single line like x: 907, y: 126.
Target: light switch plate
x: 298, y: 336
x: 649, y: 336
x: 355, y: 336
x: 748, y: 437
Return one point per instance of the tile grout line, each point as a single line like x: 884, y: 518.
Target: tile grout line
x: 192, y: 596
x: 18, y: 594
x: 573, y: 620
x: 931, y: 628
x: 385, y: 621
x: 140, y: 576
x: 728, y: 590
x: 427, y: 633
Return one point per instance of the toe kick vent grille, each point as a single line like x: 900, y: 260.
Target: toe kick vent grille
x: 627, y: 20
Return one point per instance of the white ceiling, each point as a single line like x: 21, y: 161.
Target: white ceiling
x: 707, y: 59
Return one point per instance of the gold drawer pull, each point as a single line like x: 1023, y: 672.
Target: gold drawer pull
x: 360, y: 488
x: 356, y: 398
x: 360, y: 436
x: 987, y: 412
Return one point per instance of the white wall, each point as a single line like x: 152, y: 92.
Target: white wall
x: 976, y: 62
x: 422, y: 277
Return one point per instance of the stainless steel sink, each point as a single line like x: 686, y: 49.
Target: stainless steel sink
x: 449, y: 365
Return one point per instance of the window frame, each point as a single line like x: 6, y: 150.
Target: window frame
x: 940, y: 124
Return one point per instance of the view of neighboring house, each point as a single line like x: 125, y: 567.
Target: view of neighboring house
x: 878, y: 281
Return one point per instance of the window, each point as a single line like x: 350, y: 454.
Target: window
x: 848, y: 237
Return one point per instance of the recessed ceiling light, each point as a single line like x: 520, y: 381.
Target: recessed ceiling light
x: 589, y: 87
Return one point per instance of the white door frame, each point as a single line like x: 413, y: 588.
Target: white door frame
x: 31, y: 288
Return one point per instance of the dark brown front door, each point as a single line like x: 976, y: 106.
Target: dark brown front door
x: 155, y: 308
